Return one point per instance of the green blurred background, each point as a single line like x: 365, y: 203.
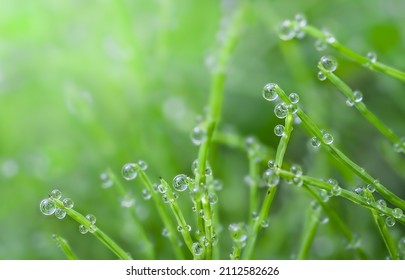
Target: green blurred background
x: 87, y: 85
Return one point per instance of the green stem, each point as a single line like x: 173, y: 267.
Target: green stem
x: 268, y: 200
x: 312, y: 128
x: 362, y: 108
x: 64, y: 245
x: 253, y: 187
x: 362, y: 60
x: 382, y: 228
x: 309, y: 232
x: 104, y: 238
x: 141, y: 234
x: 162, y: 213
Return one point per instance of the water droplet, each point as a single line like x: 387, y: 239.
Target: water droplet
x: 68, y: 203
x: 198, y: 135
x: 208, y: 171
x: 194, y: 166
x: 324, y: 195
x: 56, y: 194
x: 83, y: 229
x: 329, y: 38
x: 321, y: 76
x: 129, y: 171
x: 296, y: 170
x: 213, y: 198
x: 146, y: 194
x: 127, y: 201
x: 401, y: 245
x: 349, y: 102
x: 397, y: 213
x: 292, y: 108
x: 315, y: 142
x: 371, y: 188
x: 286, y: 30
x: 320, y: 45
x: 197, y: 249
x: 270, y: 178
x: 294, y: 98
x: 358, y: 96
x: 398, y: 146
x: 381, y: 205
x: 201, y: 213
x: 217, y: 185
x: 336, y: 190
x: 142, y: 165
x: 323, y: 219
x: 264, y: 223
x: 162, y: 188
x: 60, y: 213
x: 106, y: 181
x: 328, y: 63
x: 255, y: 215
x: 279, y: 130
x: 300, y: 19
x: 372, y: 57
x: 238, y: 233
x: 180, y: 182
x: 165, y: 232
x: 271, y: 164
x: 390, y: 221
x: 315, y: 205
x: 298, y: 181
x: 179, y: 228
x: 327, y: 139
x: 359, y: 190
x: 280, y: 110
x: 270, y: 92
x: 92, y: 228
x: 92, y: 219
x: 165, y: 198
x: 188, y: 228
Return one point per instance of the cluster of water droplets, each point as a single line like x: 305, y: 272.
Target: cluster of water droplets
x: 83, y: 229
x: 48, y: 206
x: 327, y: 139
x: 130, y: 170
x: 270, y: 176
x: 356, y: 98
x: 289, y: 29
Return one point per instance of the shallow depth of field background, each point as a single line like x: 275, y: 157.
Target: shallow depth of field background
x: 87, y: 85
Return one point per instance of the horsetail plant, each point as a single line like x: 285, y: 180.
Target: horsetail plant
x: 202, y: 236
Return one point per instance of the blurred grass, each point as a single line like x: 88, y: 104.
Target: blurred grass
x: 86, y: 85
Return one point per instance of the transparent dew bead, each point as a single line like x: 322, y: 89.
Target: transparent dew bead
x: 56, y: 194
x: 320, y: 45
x: 397, y: 213
x: 292, y: 108
x: 286, y: 30
x: 323, y: 219
x: 270, y: 92
x: 271, y: 164
x: 198, y: 135
x: 47, y: 207
x: 238, y: 232
x: 270, y: 178
x: 280, y: 110
x: 298, y: 181
x: 179, y: 228
x: 328, y: 63
x: 83, y: 229
x: 129, y: 171
x: 381, y: 204
x: 296, y: 170
x: 332, y: 182
x: 330, y: 39
x: 127, y: 201
x: 92, y: 219
x: 106, y: 181
x: 146, y: 194
x: 165, y: 198
x: 327, y: 139
x: 217, y: 185
x: 188, y: 228
x: 336, y: 190
x: 294, y: 98
x: 92, y: 228
x: 162, y: 188
x: 324, y: 195
x: 300, y: 19
x: 60, y: 213
x: 180, y: 182
x: 264, y: 223
x: 372, y: 57
x: 370, y: 188
x: 390, y: 221
x: 68, y: 203
x: 197, y: 249
x: 208, y: 171
x: 279, y: 130
x: 315, y: 205
x: 213, y: 198
x: 201, y: 213
x: 321, y: 76
x: 358, y: 96
x: 165, y: 232
x: 315, y: 142
x: 349, y: 102
x: 359, y: 191
x: 142, y: 165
